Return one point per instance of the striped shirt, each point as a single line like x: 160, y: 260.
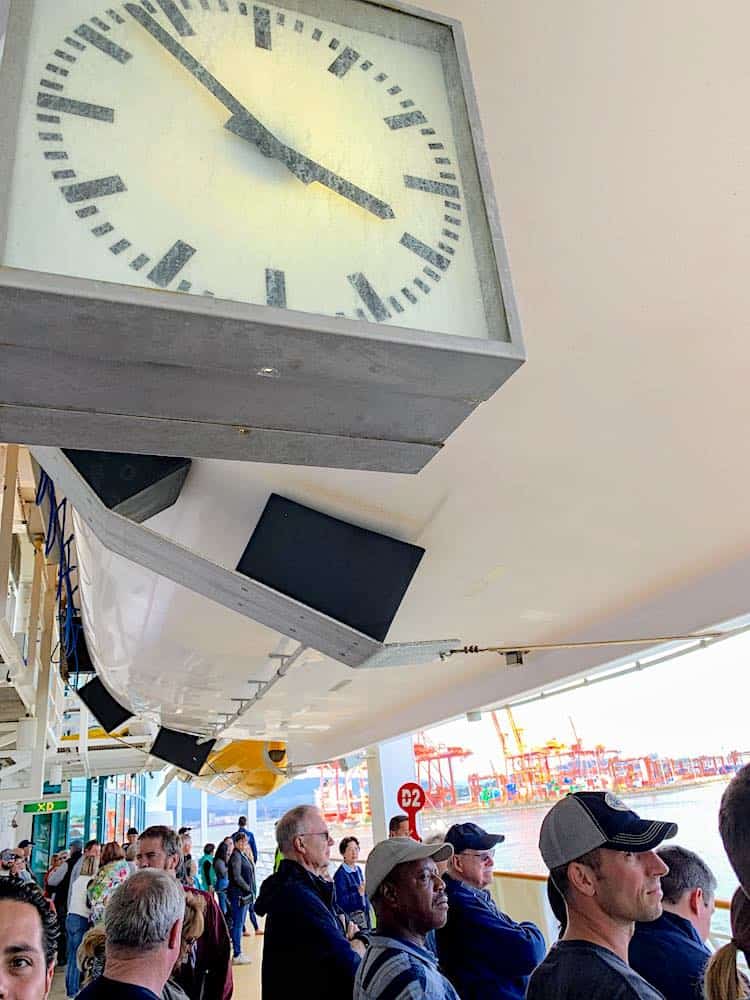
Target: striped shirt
x: 397, y: 970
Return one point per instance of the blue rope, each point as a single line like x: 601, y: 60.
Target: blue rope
x: 55, y: 535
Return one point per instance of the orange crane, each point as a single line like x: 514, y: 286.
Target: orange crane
x: 517, y: 733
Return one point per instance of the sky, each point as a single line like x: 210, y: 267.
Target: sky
x: 694, y: 704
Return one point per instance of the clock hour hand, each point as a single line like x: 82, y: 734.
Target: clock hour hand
x: 307, y: 170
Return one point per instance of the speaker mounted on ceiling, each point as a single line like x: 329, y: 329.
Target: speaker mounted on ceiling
x: 182, y: 750
x: 107, y: 711
x: 136, y: 486
x: 353, y: 575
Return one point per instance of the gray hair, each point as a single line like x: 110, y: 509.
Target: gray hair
x: 291, y: 825
x: 142, y: 910
x: 686, y: 871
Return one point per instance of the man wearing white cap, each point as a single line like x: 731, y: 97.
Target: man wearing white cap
x: 409, y: 900
x: 601, y: 857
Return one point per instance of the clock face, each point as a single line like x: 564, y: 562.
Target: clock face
x: 315, y: 161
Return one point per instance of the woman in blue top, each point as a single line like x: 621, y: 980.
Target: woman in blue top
x: 350, y: 885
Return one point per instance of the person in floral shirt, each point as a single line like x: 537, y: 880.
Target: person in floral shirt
x: 113, y: 870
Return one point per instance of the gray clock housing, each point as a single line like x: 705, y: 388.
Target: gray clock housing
x: 97, y: 365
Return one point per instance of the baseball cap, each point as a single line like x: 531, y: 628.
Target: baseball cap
x: 387, y: 854
x: 470, y: 837
x: 8, y: 855
x: 26, y: 843
x: 183, y: 829
x: 583, y: 821
x: 131, y: 829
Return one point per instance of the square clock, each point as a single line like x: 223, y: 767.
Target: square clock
x: 250, y: 231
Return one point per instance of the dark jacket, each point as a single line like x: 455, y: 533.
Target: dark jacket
x: 208, y: 972
x: 347, y: 893
x: 250, y: 840
x: 670, y: 955
x: 482, y: 951
x: 305, y: 950
x: 241, y: 875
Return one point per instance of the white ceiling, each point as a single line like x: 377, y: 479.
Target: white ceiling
x: 603, y: 490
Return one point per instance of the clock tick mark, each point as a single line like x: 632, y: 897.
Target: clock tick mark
x: 317, y: 35
x: 88, y: 190
x: 407, y: 104
x: 81, y: 108
x: 224, y: 6
x: 427, y: 131
x: 115, y: 16
x: 366, y: 65
x: 176, y: 18
x: 119, y: 247
x: 84, y: 213
x: 76, y: 45
x: 140, y: 261
x: 51, y: 136
x: 431, y: 274
x: 424, y: 251
x: 49, y: 119
x: 435, y: 145
x: 431, y: 187
x: 101, y: 24
x: 55, y: 154
x: 446, y: 175
x: 173, y: 261
x: 57, y: 69
x: 394, y: 90
x: 262, y: 24
x: 104, y: 45
x: 299, y: 26
x: 344, y: 62
x: 62, y: 175
x: 184, y: 286
x: 408, y: 294
x: 442, y: 160
x: 103, y: 229
x: 452, y: 220
x: 422, y: 286
x: 446, y: 249
x: 243, y: 9
x: 204, y: 4
x: 281, y: 19
x: 405, y: 120
x: 333, y: 44
x: 453, y: 204
x: 396, y: 304
x: 450, y: 235
x: 381, y: 77
x: 51, y: 85
x: 369, y: 296
x: 275, y: 288
x: 64, y: 56
x: 149, y: 6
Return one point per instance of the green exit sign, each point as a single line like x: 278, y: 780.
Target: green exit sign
x: 48, y: 806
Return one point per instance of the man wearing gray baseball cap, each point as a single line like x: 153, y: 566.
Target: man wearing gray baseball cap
x: 601, y: 859
x: 409, y: 900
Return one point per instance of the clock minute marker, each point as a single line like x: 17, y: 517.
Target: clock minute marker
x: 405, y: 120
x: 57, y: 103
x: 369, y: 296
x: 262, y: 25
x: 344, y: 62
x: 88, y: 190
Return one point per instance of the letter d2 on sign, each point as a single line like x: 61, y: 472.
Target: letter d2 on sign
x: 411, y: 798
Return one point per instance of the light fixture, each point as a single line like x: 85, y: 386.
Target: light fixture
x: 474, y: 716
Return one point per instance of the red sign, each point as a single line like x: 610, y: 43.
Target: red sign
x: 410, y: 798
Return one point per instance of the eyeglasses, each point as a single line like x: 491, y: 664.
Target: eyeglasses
x: 318, y: 833
x: 484, y: 857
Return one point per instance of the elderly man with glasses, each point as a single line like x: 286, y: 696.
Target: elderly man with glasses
x: 481, y: 950
x: 306, y: 950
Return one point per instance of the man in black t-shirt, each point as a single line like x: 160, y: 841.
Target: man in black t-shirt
x: 602, y: 861
x: 143, y: 928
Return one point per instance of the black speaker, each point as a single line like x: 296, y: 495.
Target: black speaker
x: 352, y: 574
x: 107, y: 711
x: 79, y: 659
x: 182, y: 750
x: 136, y: 486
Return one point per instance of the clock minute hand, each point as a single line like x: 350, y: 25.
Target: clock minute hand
x: 307, y: 170
x: 265, y: 140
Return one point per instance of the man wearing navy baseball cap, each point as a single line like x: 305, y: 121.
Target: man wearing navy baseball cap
x: 601, y: 859
x: 481, y: 950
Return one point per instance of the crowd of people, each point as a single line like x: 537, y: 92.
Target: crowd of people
x: 634, y: 914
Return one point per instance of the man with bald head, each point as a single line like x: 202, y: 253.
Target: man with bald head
x: 305, y: 949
